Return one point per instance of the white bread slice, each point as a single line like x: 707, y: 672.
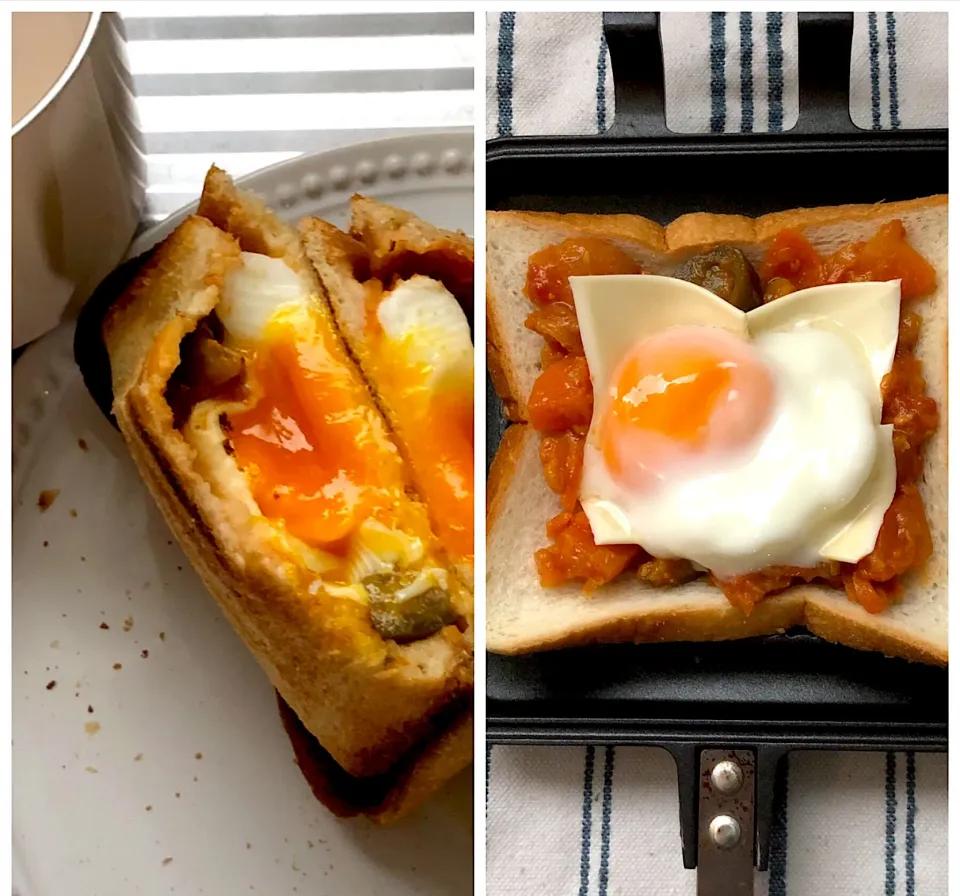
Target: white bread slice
x: 522, y: 616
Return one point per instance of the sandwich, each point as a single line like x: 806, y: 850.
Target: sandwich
x: 397, y: 294
x: 720, y: 429
x: 266, y: 448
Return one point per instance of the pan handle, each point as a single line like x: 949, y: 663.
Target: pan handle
x: 755, y: 804
x: 824, y: 46
x: 636, y: 60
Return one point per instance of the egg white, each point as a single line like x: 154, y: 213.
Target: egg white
x: 255, y: 293
x: 815, y: 485
x: 426, y: 329
x: 262, y: 291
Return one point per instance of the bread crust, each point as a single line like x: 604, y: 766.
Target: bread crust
x: 369, y: 702
x: 385, y: 799
x: 505, y: 385
x: 846, y: 623
x: 626, y: 228
x: 823, y: 610
x: 401, y: 244
x: 503, y: 468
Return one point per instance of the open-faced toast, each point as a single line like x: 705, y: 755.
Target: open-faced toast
x: 523, y: 616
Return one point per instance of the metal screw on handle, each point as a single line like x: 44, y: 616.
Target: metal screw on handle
x: 727, y: 776
x: 725, y: 831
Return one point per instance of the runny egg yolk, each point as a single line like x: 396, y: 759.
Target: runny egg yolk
x: 683, y: 395
x: 441, y: 451
x: 302, y: 443
x: 422, y: 362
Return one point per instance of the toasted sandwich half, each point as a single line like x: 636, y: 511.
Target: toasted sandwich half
x: 393, y: 283
x: 263, y: 446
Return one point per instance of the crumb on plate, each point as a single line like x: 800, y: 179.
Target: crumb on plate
x: 46, y: 498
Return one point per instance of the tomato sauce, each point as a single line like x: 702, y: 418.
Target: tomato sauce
x: 562, y: 459
x: 885, y: 256
x: 549, y: 270
x: 561, y: 406
x: 562, y: 396
x: 574, y: 556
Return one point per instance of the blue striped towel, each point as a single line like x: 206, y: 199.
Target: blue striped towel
x: 549, y: 73
x: 604, y: 821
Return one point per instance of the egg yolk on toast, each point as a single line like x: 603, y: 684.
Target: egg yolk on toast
x: 697, y: 388
x: 310, y: 445
x: 419, y: 353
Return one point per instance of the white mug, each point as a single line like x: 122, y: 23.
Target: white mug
x: 78, y: 181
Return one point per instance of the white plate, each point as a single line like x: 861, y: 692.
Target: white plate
x: 188, y: 784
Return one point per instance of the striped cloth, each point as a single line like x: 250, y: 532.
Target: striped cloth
x: 250, y: 87
x: 604, y: 821
x: 549, y: 73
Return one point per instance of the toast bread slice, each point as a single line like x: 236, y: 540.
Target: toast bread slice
x: 522, y: 616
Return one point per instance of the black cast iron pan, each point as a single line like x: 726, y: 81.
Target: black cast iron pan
x: 766, y: 696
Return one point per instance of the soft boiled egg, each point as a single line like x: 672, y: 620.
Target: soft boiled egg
x: 311, y: 444
x: 421, y: 354
x: 308, y: 452
x: 737, y: 441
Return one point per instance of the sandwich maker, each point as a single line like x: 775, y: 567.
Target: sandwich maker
x: 728, y: 712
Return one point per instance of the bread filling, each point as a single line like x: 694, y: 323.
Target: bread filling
x: 561, y: 407
x: 284, y: 431
x: 397, y: 287
x: 421, y: 355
